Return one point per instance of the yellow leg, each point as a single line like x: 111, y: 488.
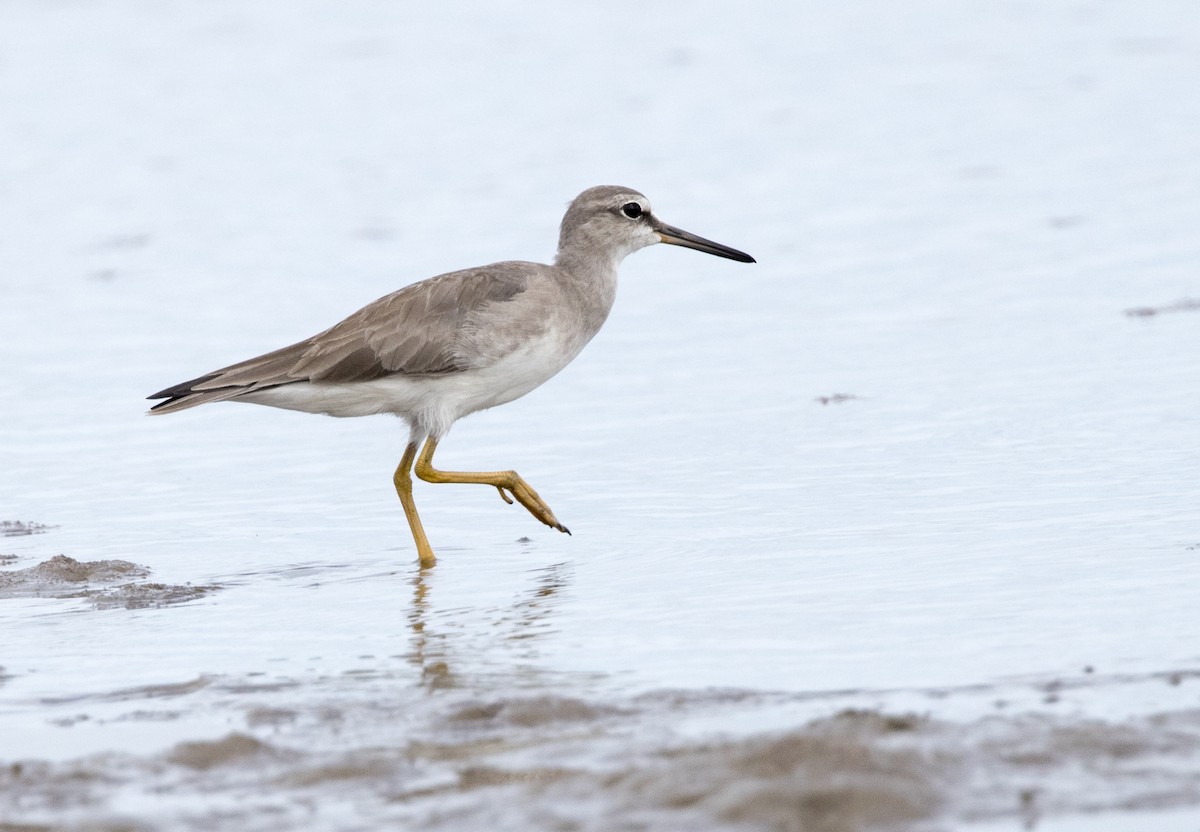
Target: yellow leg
x: 507, y: 482
x: 403, y: 482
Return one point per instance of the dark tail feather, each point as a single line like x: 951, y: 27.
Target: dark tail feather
x: 270, y: 370
x: 185, y: 395
x: 180, y: 390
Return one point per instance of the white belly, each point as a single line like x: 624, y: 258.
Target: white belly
x: 430, y: 403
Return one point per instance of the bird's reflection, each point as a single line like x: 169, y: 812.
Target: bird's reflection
x: 523, y: 621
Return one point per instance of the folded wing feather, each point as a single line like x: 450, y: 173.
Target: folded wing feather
x: 415, y: 330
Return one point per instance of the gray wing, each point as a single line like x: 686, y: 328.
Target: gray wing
x: 416, y: 330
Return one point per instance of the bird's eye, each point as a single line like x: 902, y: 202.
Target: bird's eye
x: 631, y: 210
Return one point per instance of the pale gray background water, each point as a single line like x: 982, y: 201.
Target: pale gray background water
x: 953, y: 206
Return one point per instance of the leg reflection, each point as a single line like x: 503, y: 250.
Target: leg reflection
x: 482, y: 637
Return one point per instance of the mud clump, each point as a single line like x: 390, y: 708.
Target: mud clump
x: 64, y: 577
x: 531, y: 712
x: 235, y: 748
x: 834, y: 775
x: 20, y: 528
x: 62, y: 572
x: 141, y: 596
x: 1185, y: 305
x: 358, y: 765
x: 835, y: 398
x: 268, y: 716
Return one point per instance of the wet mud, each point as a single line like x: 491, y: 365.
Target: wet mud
x: 549, y: 762
x: 106, y: 584
x: 453, y: 748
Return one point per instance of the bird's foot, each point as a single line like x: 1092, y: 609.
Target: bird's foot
x: 526, y: 496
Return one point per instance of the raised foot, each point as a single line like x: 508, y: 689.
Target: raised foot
x: 526, y: 496
x: 506, y: 482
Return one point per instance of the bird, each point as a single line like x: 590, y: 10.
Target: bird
x: 451, y: 345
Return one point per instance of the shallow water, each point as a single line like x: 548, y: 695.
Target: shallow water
x: 895, y: 529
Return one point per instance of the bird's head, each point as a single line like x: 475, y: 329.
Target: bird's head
x: 615, y: 221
